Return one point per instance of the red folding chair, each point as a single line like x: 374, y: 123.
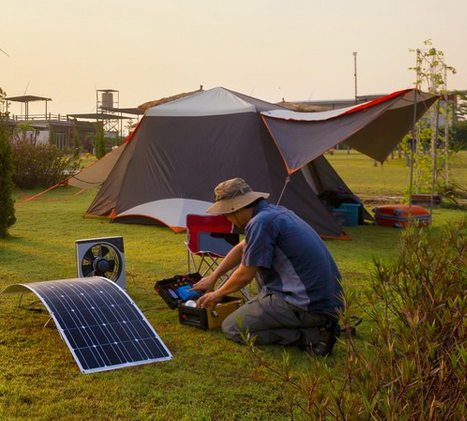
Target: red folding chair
x: 209, y: 239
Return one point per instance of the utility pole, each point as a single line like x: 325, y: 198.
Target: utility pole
x: 355, y: 81
x: 355, y: 74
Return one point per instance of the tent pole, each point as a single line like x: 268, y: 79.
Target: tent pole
x: 434, y: 155
x: 287, y: 180
x: 412, y: 150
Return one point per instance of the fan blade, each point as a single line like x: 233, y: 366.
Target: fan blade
x: 89, y: 255
x: 111, y: 265
x: 87, y: 270
x: 103, y: 251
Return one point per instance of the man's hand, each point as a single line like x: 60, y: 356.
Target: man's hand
x: 209, y: 300
x: 205, y: 284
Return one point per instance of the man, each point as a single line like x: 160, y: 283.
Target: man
x: 300, y: 292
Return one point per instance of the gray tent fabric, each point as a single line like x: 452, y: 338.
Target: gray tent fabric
x: 387, y: 131
x: 181, y: 150
x: 172, y: 164
x: 329, y: 187
x: 95, y: 175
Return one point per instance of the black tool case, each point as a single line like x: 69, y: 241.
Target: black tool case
x: 174, y: 292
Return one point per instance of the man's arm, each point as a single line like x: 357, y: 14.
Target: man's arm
x: 239, y: 279
x: 233, y: 258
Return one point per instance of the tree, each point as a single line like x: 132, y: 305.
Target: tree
x: 75, y: 143
x: 461, y: 111
x: 430, y: 148
x: 52, y: 140
x: 130, y: 126
x: 100, y: 140
x: 7, y: 210
x: 459, y: 135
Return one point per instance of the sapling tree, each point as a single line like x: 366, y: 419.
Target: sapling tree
x: 430, y: 148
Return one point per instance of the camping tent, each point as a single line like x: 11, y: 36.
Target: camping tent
x: 181, y: 150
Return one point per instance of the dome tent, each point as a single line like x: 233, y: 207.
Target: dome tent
x: 181, y: 150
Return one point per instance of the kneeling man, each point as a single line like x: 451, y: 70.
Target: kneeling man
x: 300, y: 291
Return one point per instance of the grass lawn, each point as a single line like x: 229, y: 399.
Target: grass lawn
x: 370, y: 181
x: 209, y: 378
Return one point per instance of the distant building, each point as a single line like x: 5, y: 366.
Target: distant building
x: 326, y: 105
x: 64, y: 126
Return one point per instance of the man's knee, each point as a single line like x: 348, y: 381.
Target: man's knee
x: 231, y: 327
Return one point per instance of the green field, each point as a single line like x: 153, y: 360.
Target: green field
x: 209, y: 378
x: 370, y: 181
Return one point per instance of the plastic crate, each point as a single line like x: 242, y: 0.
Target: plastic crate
x: 339, y: 215
x: 351, y: 214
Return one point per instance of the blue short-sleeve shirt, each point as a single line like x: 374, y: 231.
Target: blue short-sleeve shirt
x: 292, y: 259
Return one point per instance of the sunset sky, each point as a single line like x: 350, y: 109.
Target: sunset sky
x: 269, y: 49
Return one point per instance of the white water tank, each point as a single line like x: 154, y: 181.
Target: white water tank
x: 107, y: 100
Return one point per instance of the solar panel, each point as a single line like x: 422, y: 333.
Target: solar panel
x: 217, y: 242
x: 102, y: 326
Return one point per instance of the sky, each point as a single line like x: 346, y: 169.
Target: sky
x: 295, y: 50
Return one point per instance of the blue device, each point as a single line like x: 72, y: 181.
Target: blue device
x: 185, y: 295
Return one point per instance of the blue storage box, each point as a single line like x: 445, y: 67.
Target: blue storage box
x: 339, y: 215
x: 351, y: 211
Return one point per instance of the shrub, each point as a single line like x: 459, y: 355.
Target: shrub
x: 419, y: 307
x: 413, y: 365
x: 39, y: 164
x: 7, y: 210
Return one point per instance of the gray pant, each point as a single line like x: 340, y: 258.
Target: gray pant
x: 274, y: 321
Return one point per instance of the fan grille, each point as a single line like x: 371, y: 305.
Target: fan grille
x: 101, y: 257
x: 102, y: 260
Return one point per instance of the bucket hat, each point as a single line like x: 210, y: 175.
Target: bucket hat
x: 232, y: 195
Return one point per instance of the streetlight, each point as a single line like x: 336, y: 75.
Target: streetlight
x: 355, y: 73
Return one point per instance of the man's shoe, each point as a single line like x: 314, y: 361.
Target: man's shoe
x: 320, y: 349
x: 328, y: 338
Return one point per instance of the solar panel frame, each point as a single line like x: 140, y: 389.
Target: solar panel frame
x: 103, y: 328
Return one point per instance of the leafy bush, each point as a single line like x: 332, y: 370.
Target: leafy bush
x: 39, y: 164
x: 419, y: 308
x: 414, y: 364
x: 7, y: 210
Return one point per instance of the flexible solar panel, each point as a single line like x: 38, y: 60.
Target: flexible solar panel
x: 217, y: 242
x: 102, y: 326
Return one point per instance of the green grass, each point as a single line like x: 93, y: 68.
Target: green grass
x: 390, y: 179
x: 209, y: 378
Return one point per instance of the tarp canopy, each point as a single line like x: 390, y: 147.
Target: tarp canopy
x: 373, y: 128
x: 181, y: 150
